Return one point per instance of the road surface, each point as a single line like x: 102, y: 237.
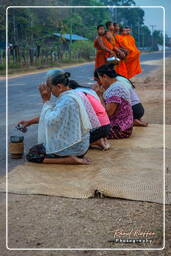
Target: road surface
x: 24, y: 101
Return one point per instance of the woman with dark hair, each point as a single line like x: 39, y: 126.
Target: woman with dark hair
x: 116, y: 99
x: 137, y: 107
x: 63, y: 131
x: 95, y: 110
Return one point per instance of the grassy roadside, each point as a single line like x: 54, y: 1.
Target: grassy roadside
x: 36, y: 69
x: 21, y: 69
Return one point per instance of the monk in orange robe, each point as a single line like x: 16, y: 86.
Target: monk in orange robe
x: 132, y: 61
x: 103, y: 48
x: 121, y: 67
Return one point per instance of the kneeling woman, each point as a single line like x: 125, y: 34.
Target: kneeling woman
x: 97, y: 114
x: 117, y: 103
x: 137, y: 107
x: 63, y: 132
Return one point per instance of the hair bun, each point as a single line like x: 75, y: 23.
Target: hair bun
x: 111, y: 65
x: 67, y: 74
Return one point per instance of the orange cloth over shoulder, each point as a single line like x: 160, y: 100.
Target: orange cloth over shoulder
x: 121, y: 67
x: 132, y: 61
x: 101, y: 54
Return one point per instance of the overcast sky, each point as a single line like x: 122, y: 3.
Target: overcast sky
x: 154, y: 16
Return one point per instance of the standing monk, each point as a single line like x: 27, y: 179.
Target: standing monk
x: 133, y: 59
x: 121, y: 67
x: 117, y: 36
x: 104, y: 48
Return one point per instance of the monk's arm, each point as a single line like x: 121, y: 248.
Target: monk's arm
x: 109, y: 38
x: 102, y: 46
x: 115, y: 48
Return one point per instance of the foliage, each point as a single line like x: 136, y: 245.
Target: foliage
x: 28, y: 27
x: 83, y: 49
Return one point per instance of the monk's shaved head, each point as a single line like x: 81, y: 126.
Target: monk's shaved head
x: 116, y: 27
x: 100, y: 30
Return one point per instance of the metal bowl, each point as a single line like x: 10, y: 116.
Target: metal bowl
x: 113, y: 59
x: 16, y: 139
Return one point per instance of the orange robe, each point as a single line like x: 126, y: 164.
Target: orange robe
x: 121, y: 68
x: 101, y: 54
x: 132, y: 61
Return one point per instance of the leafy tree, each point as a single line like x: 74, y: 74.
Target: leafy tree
x: 157, y: 37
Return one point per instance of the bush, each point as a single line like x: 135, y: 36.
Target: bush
x: 82, y: 49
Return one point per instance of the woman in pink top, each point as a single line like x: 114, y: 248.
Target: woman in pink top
x: 98, y: 135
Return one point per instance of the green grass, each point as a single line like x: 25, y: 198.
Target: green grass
x: 21, y: 68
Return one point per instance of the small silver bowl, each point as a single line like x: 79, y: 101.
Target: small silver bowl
x: 113, y: 59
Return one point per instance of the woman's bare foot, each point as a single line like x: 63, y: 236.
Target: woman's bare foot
x: 140, y: 123
x: 84, y: 160
x: 100, y: 144
x: 67, y: 160
x: 107, y: 144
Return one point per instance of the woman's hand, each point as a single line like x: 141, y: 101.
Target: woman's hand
x: 24, y: 123
x: 98, y: 88
x: 45, y: 92
x: 29, y: 122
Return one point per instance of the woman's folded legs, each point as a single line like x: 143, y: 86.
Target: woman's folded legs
x: 98, y: 137
x: 66, y: 160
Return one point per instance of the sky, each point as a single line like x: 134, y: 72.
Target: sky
x: 154, y: 16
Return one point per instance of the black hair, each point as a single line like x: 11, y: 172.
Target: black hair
x: 99, y: 26
x: 73, y: 84
x: 61, y: 79
x: 108, y: 23
x: 96, y: 77
x: 114, y: 24
x: 108, y: 69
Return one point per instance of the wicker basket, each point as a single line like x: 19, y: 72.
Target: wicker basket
x: 16, y: 150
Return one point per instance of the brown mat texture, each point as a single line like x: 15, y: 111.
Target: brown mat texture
x: 131, y: 169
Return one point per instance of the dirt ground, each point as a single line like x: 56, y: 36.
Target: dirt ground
x: 37, y: 221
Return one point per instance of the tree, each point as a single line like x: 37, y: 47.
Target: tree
x: 157, y: 37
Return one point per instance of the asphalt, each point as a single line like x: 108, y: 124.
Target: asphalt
x: 25, y: 103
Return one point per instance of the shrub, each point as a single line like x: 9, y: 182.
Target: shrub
x: 82, y: 49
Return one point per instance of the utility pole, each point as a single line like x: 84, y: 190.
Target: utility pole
x: 116, y: 14
x: 70, y: 43
x: 14, y: 28
x: 143, y: 35
x: 152, y: 39
x: 138, y: 34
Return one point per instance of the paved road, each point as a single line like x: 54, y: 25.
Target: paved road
x: 24, y: 101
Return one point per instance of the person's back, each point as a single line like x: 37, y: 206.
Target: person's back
x: 58, y: 133
x: 137, y: 107
x: 64, y: 127
x: 133, y: 94
x: 99, y: 109
x: 89, y: 109
x: 98, y: 135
